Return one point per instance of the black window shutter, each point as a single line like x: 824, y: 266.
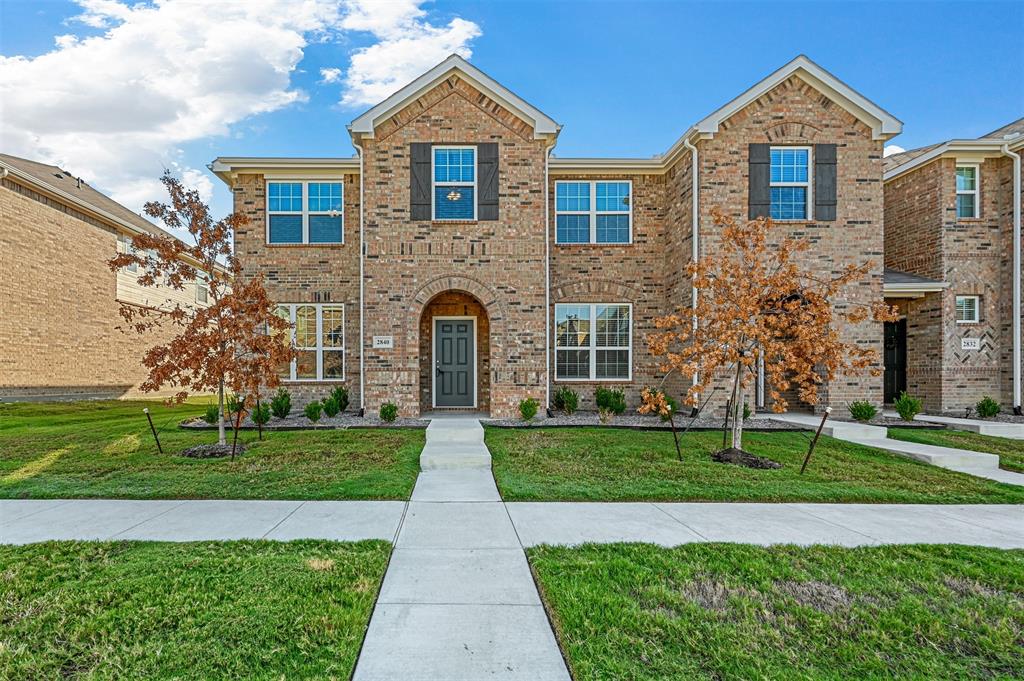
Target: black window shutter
x: 759, y: 195
x: 825, y: 182
x: 419, y: 181
x: 487, y: 171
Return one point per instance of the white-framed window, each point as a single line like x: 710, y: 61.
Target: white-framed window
x: 594, y: 342
x: 318, y: 331
x: 599, y: 212
x: 790, y: 183
x: 305, y: 212
x: 202, y: 288
x: 968, y: 309
x: 124, y: 245
x: 453, y: 173
x: 968, y: 180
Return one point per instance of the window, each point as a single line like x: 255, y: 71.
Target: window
x: 124, y: 245
x: 967, y: 309
x: 454, y: 183
x: 202, y: 288
x: 593, y: 212
x: 318, y: 332
x: 790, y: 183
x: 301, y: 212
x: 967, y: 203
x: 593, y: 342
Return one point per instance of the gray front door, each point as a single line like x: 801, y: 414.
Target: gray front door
x: 454, y: 363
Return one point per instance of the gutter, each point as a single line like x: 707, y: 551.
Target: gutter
x: 362, y: 306
x: 1016, y: 278
x: 695, y: 231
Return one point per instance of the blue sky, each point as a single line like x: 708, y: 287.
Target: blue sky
x: 623, y: 78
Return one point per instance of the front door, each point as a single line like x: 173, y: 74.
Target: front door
x: 454, y: 363
x: 895, y: 360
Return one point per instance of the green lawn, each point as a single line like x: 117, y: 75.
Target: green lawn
x: 105, y: 449
x: 130, y: 610
x: 719, y: 611
x: 595, y: 464
x: 1011, y: 452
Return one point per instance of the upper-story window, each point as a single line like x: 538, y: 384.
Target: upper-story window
x: 202, y: 288
x: 124, y: 245
x: 790, y: 183
x: 454, y: 183
x: 305, y: 212
x: 967, y: 309
x: 593, y: 212
x: 967, y: 203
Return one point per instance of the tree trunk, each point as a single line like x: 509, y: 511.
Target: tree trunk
x: 737, y: 409
x: 221, y: 437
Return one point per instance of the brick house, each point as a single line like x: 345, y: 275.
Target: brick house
x: 59, y: 308
x: 456, y: 262
x: 952, y: 222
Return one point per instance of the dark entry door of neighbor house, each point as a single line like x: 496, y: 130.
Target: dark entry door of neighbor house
x: 895, y: 359
x: 454, y: 363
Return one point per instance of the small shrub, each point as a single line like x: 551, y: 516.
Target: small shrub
x: 862, y: 410
x: 672, y: 402
x: 330, y: 405
x: 566, y: 399
x: 605, y: 415
x: 610, y: 400
x: 388, y: 412
x: 907, y: 407
x: 212, y: 414
x: 528, y: 408
x: 312, y: 411
x: 261, y: 414
x: 281, y: 403
x: 746, y: 411
x: 987, y: 407
x: 340, y: 396
x: 233, y: 404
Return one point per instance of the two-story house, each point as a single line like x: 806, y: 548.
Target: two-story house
x: 953, y: 221
x: 456, y: 262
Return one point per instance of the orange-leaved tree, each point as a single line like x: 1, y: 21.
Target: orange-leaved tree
x: 758, y: 302
x: 234, y: 341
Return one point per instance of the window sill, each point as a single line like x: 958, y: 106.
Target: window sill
x: 596, y: 381
x: 600, y: 244
x: 338, y: 245
x: 454, y: 222
x: 309, y: 381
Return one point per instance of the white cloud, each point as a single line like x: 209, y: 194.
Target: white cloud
x: 116, y: 108
x: 330, y: 75
x: 407, y: 46
x: 891, y: 149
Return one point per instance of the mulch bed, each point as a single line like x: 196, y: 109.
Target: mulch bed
x: 636, y: 421
x: 739, y: 457
x: 298, y: 421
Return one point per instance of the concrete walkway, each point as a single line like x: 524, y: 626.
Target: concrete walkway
x: 458, y: 600
x: 1014, y: 431
x: 979, y: 464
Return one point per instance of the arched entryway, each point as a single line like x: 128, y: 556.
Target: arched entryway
x: 455, y: 357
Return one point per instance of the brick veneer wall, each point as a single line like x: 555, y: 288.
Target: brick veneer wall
x: 633, y: 273
x: 795, y: 113
x: 58, y: 311
x: 974, y: 256
x: 501, y: 263
x: 305, y: 273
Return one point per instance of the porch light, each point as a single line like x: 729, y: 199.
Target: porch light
x: 454, y: 195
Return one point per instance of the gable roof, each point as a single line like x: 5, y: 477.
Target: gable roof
x: 882, y: 123
x: 1010, y: 135
x: 542, y: 124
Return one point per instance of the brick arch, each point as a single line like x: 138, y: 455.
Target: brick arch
x: 792, y: 131
x: 609, y: 290
x: 482, y: 292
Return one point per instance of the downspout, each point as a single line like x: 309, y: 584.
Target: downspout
x: 362, y: 306
x: 547, y: 280
x: 695, y: 233
x: 1016, y: 277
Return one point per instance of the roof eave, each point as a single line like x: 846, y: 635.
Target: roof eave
x: 227, y: 168
x: 981, y: 145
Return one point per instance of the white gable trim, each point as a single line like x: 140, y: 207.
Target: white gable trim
x: 542, y: 124
x: 883, y: 124
x: 968, y: 151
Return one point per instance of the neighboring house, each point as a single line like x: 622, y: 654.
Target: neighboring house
x: 455, y: 262
x: 60, y: 301
x: 952, y: 218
